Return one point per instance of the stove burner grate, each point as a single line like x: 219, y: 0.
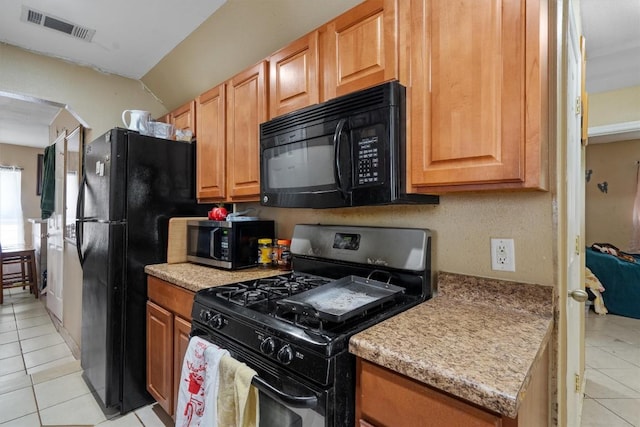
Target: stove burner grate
x: 268, y: 289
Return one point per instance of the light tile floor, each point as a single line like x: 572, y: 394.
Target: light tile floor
x: 40, y: 380
x: 612, y: 369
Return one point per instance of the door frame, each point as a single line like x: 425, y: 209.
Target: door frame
x: 570, y: 248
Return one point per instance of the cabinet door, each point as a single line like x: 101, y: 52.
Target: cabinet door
x: 293, y: 76
x: 160, y: 355
x: 384, y: 398
x: 181, y: 330
x: 360, y: 48
x: 211, y: 146
x: 475, y: 97
x: 246, y: 109
x: 184, y: 117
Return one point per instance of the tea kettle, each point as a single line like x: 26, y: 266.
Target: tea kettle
x: 138, y: 120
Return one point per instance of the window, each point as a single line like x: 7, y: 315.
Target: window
x: 11, y: 220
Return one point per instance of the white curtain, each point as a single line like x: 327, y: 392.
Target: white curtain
x: 11, y: 220
x: 634, y: 246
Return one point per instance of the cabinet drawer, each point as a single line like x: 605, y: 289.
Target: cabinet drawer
x: 387, y: 399
x: 171, y: 297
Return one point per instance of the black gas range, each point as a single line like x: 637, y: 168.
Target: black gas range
x: 294, y: 328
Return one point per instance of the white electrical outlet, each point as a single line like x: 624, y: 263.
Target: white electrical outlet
x: 503, y: 255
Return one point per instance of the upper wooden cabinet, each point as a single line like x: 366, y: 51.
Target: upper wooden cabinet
x: 246, y: 109
x: 293, y: 76
x: 478, y: 94
x: 359, y: 48
x: 211, y: 147
x: 184, y: 117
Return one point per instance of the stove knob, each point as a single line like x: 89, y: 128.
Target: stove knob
x: 205, y: 315
x: 268, y: 346
x: 216, y: 321
x: 285, y: 354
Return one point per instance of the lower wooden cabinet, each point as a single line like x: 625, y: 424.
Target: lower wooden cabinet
x: 181, y: 330
x: 160, y: 355
x: 387, y: 399
x: 168, y: 327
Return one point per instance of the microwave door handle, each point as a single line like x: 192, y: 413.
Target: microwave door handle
x: 213, y: 243
x: 337, y: 138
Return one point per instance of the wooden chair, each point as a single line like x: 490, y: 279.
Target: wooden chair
x: 18, y: 268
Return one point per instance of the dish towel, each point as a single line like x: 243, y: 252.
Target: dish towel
x: 198, y: 391
x: 237, y: 399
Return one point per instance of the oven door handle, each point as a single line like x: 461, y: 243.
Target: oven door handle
x: 310, y: 401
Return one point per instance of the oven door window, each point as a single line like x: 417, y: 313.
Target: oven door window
x: 304, y: 165
x: 276, y: 414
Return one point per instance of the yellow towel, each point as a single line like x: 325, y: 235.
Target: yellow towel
x: 237, y: 398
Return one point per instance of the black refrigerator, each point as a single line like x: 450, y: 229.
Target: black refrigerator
x: 132, y: 185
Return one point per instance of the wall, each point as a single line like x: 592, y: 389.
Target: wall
x: 617, y: 106
x: 242, y: 33
x: 26, y: 158
x: 97, y: 98
x: 238, y: 35
x: 609, y: 215
x: 462, y: 226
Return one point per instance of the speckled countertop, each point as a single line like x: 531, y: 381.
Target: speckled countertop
x: 195, y: 277
x: 478, y: 339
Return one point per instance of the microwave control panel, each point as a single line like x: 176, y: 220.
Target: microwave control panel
x: 224, y: 246
x: 370, y: 167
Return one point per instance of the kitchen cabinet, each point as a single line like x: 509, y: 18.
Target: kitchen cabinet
x: 246, y: 109
x: 386, y: 398
x: 211, y: 147
x: 168, y: 327
x: 293, y: 76
x: 359, y: 48
x: 160, y: 355
x: 478, y: 94
x: 184, y: 117
x: 164, y: 119
x: 228, y: 149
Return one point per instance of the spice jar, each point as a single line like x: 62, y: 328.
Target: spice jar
x: 283, y: 254
x: 264, y: 252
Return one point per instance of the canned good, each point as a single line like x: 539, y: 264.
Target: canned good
x: 283, y: 254
x: 264, y: 252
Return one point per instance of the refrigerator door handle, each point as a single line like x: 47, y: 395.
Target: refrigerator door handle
x: 80, y: 219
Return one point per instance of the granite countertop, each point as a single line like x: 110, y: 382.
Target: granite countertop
x: 478, y: 339
x: 195, y: 277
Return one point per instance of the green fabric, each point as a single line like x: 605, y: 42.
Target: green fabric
x: 48, y: 182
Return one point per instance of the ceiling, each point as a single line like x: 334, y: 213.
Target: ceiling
x: 612, y: 34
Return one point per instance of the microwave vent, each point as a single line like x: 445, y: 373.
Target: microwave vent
x: 43, y: 19
x: 367, y: 99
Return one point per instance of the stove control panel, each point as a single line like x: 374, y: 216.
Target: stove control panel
x: 276, y: 347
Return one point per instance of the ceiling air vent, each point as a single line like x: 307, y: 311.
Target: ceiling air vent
x: 46, y: 20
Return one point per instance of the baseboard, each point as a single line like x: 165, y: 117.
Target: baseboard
x: 66, y: 336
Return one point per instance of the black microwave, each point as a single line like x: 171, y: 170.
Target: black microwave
x: 226, y: 244
x: 348, y: 151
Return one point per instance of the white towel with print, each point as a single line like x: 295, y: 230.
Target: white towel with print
x: 198, y: 391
